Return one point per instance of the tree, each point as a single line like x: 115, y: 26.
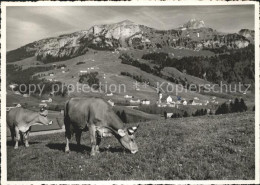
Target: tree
x: 165, y: 114
x: 185, y: 114
x: 236, y: 107
x: 242, y: 106
x: 90, y: 79
x: 222, y: 109
x: 123, y: 116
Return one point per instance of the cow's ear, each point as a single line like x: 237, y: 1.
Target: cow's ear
x: 121, y: 132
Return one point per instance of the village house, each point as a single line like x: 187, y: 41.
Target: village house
x: 171, y: 104
x: 109, y: 94
x: 145, y: 102
x: 111, y: 102
x: 26, y: 95
x: 135, y: 101
x: 49, y: 100
x: 206, y: 102
x: 83, y: 71
x: 169, y: 115
x: 128, y: 96
x: 12, y: 86
x: 169, y: 99
x: 17, y: 92
x: 184, y: 102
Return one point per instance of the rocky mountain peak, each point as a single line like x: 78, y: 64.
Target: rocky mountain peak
x: 194, y: 24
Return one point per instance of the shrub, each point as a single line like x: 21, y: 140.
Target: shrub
x: 79, y: 63
x: 90, y: 79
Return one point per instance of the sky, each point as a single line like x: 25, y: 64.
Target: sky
x: 27, y: 24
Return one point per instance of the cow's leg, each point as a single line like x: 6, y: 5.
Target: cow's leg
x: 98, y: 139
x: 12, y: 130
x: 92, y: 131
x: 78, y: 136
x: 68, y: 137
x: 26, y: 137
x: 17, y: 137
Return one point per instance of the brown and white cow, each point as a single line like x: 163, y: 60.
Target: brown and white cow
x: 20, y: 120
x: 96, y: 116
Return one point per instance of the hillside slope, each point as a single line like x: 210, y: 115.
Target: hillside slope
x: 201, y: 148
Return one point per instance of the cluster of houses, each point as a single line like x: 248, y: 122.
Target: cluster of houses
x: 169, y: 101
x: 132, y: 100
x: 88, y: 70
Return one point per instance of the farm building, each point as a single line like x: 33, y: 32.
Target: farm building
x: 169, y: 99
x: 128, y: 96
x: 83, y: 71
x: 145, y: 102
x: 193, y: 102
x: 26, y: 95
x: 17, y: 92
x: 111, y: 102
x: 109, y: 94
x: 169, y: 115
x: 49, y: 100
x: 171, y: 104
x: 184, y: 102
x: 12, y: 86
x: 206, y: 102
x: 134, y: 101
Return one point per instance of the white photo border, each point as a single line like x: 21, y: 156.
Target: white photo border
x: 127, y: 3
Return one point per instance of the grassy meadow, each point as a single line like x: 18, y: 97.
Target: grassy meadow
x: 197, y: 148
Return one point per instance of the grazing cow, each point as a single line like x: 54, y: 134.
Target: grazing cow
x: 96, y: 116
x: 21, y: 120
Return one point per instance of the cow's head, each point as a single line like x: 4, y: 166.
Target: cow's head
x: 127, y: 139
x: 42, y: 118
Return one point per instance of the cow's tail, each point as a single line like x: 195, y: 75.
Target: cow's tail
x: 67, y: 120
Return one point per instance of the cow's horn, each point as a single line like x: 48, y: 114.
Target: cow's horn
x: 135, y: 128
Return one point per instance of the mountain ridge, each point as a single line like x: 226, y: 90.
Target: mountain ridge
x: 127, y: 34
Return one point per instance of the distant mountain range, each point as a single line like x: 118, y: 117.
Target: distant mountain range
x: 193, y: 35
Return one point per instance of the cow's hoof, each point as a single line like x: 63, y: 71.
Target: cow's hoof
x: 27, y: 146
x: 92, y: 154
x: 67, y: 151
x: 16, y: 147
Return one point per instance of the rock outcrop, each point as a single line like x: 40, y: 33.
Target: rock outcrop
x: 194, y: 24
